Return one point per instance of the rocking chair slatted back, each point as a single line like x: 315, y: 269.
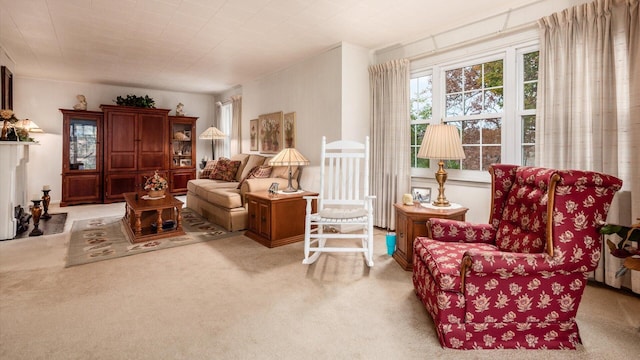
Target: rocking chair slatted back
x: 343, y: 178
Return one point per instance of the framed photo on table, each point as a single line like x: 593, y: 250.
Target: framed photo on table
x: 423, y: 195
x: 185, y: 162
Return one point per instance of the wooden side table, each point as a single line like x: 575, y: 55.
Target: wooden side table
x: 411, y: 222
x: 276, y: 220
x: 140, y: 214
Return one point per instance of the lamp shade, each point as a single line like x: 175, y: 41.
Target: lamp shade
x: 212, y: 133
x: 441, y: 141
x: 288, y: 157
x: 31, y: 126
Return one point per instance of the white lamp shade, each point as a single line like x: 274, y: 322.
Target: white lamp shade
x: 442, y: 142
x: 212, y: 133
x: 31, y: 126
x: 288, y: 157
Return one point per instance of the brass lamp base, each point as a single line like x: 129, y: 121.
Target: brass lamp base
x: 441, y: 178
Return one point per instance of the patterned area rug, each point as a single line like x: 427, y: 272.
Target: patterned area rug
x: 106, y: 238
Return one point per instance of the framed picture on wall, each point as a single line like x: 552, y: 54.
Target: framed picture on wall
x: 253, y: 135
x: 7, y: 88
x: 270, y: 133
x: 289, y: 130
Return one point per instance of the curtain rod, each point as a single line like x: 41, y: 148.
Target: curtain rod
x: 516, y: 29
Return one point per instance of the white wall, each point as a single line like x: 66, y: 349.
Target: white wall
x: 356, y: 108
x: 311, y: 88
x: 40, y: 101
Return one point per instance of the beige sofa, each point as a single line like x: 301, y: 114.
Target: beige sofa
x: 222, y: 203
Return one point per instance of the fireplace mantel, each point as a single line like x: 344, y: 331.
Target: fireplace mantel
x: 14, y: 156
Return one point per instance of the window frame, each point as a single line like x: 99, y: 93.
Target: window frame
x: 512, y: 111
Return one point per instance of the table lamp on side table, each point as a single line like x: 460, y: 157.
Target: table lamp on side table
x: 289, y: 157
x: 441, y: 142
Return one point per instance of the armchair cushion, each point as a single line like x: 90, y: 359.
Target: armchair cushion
x: 460, y: 231
x: 444, y: 259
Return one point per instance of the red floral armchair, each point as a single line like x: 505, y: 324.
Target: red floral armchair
x: 517, y: 281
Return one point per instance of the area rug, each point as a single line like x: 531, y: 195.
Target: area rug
x: 106, y: 238
x: 54, y: 225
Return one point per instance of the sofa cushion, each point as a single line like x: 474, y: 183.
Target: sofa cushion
x: 260, y: 171
x: 202, y: 187
x: 243, y: 158
x: 253, y: 161
x: 225, y: 170
x: 206, y: 172
x: 226, y: 198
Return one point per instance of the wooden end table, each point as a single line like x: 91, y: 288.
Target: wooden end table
x: 140, y: 214
x: 411, y: 222
x: 276, y: 220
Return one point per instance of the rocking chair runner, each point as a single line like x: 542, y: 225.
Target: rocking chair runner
x: 343, y: 201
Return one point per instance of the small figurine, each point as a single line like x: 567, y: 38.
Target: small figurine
x: 82, y: 104
x: 179, y: 109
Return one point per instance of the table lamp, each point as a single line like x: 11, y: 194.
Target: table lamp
x: 441, y: 142
x: 289, y: 157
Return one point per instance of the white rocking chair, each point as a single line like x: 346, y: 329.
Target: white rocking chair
x: 343, y: 202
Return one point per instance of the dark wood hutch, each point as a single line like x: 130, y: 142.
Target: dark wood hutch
x: 111, y: 152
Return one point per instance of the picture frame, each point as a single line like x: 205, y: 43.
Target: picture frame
x: 7, y: 88
x: 270, y: 133
x: 185, y: 162
x: 422, y: 195
x: 289, y: 130
x: 187, y: 134
x: 253, y: 135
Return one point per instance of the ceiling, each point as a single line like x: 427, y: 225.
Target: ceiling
x: 208, y: 46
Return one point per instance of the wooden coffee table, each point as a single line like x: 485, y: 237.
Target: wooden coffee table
x: 143, y: 219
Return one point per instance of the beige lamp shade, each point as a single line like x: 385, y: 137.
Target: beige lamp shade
x: 289, y: 157
x: 31, y: 126
x: 441, y: 142
x: 212, y: 133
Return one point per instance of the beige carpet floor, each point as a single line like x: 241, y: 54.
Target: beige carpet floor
x: 236, y: 299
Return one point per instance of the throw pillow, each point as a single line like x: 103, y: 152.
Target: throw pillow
x: 225, y: 170
x: 260, y: 171
x: 206, y: 172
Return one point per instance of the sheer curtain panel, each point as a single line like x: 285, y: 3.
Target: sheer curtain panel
x: 589, y: 103
x: 236, y: 133
x: 390, y: 163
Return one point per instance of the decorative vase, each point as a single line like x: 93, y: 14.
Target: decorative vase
x: 156, y: 193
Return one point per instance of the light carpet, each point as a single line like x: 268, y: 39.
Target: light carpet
x: 106, y: 238
x: 236, y: 299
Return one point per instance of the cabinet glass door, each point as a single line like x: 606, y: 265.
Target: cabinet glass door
x: 83, y: 144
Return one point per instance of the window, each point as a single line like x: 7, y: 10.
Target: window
x: 225, y: 127
x: 421, y: 112
x: 490, y: 99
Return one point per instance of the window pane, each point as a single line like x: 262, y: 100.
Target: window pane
x: 471, y: 132
x: 452, y: 164
x: 421, y: 98
x: 531, y: 66
x: 453, y: 80
x: 473, y: 77
x: 528, y: 155
x: 417, y: 133
x: 490, y: 155
x: 530, y: 95
x: 472, y: 102
x: 454, y: 104
x: 493, y: 100
x: 529, y: 129
x: 472, y: 159
x: 493, y: 74
x: 491, y: 131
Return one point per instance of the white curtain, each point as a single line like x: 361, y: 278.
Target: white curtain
x: 236, y: 132
x: 589, y: 103
x: 390, y: 162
